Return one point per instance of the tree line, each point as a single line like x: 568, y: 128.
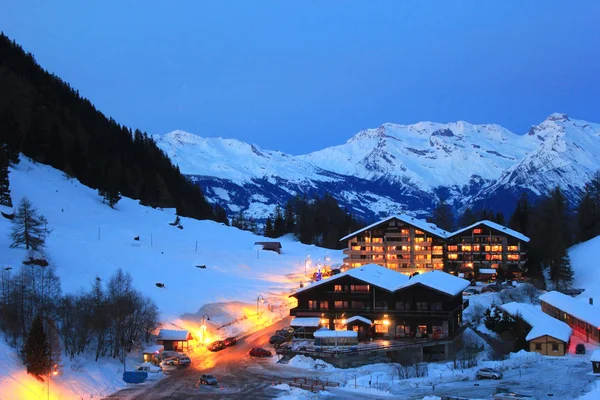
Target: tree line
x: 315, y: 220
x: 110, y: 318
x: 44, y: 118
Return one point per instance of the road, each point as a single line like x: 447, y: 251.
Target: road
x: 239, y: 374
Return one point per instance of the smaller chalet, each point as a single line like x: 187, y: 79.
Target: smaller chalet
x: 174, y: 340
x: 547, y: 336
x: 271, y: 246
x: 581, y: 316
x: 153, y: 354
x: 595, y: 359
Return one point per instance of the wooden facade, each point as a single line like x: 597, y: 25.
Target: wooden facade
x: 486, y: 246
x: 548, y: 346
x: 415, y: 311
x: 398, y: 244
x: 583, y: 327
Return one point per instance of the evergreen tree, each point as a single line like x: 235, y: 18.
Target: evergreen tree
x: 288, y: 217
x: 278, y: 224
x: 588, y: 210
x: 5, y: 198
x: 36, y: 350
x: 492, y: 317
x: 467, y: 218
x: 221, y: 215
x: 561, y: 273
x: 29, y: 228
x: 520, y: 217
x: 110, y: 197
x: 268, y: 228
x: 443, y: 217
x: 499, y: 219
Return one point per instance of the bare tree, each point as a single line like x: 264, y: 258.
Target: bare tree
x: 29, y: 228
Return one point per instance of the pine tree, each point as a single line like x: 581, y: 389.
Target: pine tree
x: 268, y: 228
x: 442, y: 216
x: 467, y: 218
x: 278, y: 224
x: 221, y: 215
x: 36, y: 350
x: 561, y: 273
x: 588, y: 210
x: 519, y: 221
x: 5, y: 198
x: 29, y: 228
x: 289, y: 217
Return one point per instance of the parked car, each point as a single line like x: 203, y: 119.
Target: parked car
x: 179, y: 359
x: 284, y: 333
x: 207, y: 379
x: 150, y: 368
x: 580, y: 349
x: 260, y: 352
x: 230, y: 341
x: 276, y: 339
x: 216, y: 346
x: 488, y: 373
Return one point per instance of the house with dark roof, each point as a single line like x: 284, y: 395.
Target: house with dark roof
x: 380, y: 303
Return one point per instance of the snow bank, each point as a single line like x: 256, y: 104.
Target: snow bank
x: 305, y: 362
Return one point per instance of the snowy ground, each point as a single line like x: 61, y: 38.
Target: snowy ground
x: 90, y: 239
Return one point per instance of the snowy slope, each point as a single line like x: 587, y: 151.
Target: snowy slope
x: 584, y: 261
x: 89, y: 239
x: 397, y: 168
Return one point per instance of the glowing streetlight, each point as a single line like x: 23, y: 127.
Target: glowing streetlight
x: 260, y: 299
x: 205, y: 318
x: 306, y: 264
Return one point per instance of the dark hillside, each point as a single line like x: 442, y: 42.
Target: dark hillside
x: 47, y: 120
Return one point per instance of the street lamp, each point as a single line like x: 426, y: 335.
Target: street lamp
x: 205, y: 318
x: 262, y: 300
x: 306, y: 264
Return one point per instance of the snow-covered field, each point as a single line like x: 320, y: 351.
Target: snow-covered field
x: 89, y: 239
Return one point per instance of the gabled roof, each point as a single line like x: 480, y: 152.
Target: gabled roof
x: 575, y: 307
x: 358, y: 318
x: 418, y: 223
x: 371, y: 273
x: 541, y: 323
x: 157, y: 348
x: 172, y: 334
x: 392, y: 281
x: 493, y: 225
x: 440, y: 281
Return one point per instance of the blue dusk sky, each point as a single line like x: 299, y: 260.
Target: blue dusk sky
x: 298, y: 76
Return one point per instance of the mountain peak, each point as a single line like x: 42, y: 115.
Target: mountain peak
x: 558, y: 117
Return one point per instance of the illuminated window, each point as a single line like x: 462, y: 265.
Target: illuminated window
x: 405, y: 232
x: 359, y: 288
x: 337, y: 288
x: 377, y: 240
x: 476, y: 247
x: 466, y: 247
x: 367, y: 240
x: 513, y: 257
x: 418, y: 232
x: 513, y: 248
x: 496, y: 248
x: 489, y: 257
x: 312, y: 304
x: 378, y: 248
x: 453, y: 256
x: 378, y: 257
x: 392, y: 256
x: 380, y: 327
x: 340, y: 304
x: 453, y: 248
x: 324, y: 305
x: 477, y: 231
x: 405, y: 248
x: 438, y: 248
x: 355, y: 248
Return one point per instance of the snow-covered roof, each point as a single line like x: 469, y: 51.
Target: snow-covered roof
x: 487, y: 271
x: 359, y: 318
x: 391, y: 280
x: 157, y: 348
x: 595, y: 356
x: 172, y: 334
x: 371, y: 273
x: 312, y: 322
x: 493, y: 225
x: 326, y: 333
x: 577, y: 308
x: 541, y: 323
x: 418, y: 223
x: 439, y: 281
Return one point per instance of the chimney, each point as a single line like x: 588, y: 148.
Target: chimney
x: 591, y: 301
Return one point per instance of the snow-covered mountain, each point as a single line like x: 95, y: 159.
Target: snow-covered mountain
x: 397, y: 168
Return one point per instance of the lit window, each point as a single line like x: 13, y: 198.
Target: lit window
x: 466, y: 248
x: 337, y: 288
x: 477, y: 231
x: 312, y: 304
x: 453, y: 256
x: 452, y: 248
x: 514, y: 257
x: 340, y: 304
x: 513, y: 248
x: 405, y: 232
x: 476, y: 247
x: 324, y: 305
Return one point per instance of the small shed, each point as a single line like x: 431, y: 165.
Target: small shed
x: 360, y: 325
x: 305, y: 327
x: 271, y: 246
x: 174, y: 340
x: 487, y: 274
x: 153, y: 354
x: 595, y: 359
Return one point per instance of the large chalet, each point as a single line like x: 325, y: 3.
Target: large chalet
x: 378, y: 302
x: 410, y: 245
